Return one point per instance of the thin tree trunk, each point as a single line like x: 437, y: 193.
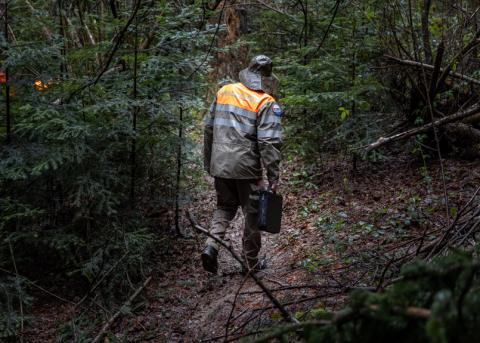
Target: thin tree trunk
x: 436, y: 72
x: 113, y: 8
x: 179, y: 173
x: 426, y: 31
x: 63, y: 33
x: 73, y: 32
x: 354, y: 64
x: 412, y: 31
x: 8, y: 122
x: 133, y: 155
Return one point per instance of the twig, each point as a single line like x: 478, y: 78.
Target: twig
x: 437, y: 243
x: 237, y: 293
x: 430, y: 99
x: 20, y: 298
x: 285, y: 314
x: 325, y: 34
x: 100, y: 281
x: 119, y: 312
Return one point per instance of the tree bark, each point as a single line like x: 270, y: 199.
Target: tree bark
x: 133, y: 152
x: 426, y: 31
x: 179, y: 173
x: 8, y: 123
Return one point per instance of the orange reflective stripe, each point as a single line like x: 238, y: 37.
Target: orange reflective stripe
x: 240, y: 96
x: 3, y: 77
x: 235, y: 101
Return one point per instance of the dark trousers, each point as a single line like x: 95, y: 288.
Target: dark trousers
x: 232, y: 193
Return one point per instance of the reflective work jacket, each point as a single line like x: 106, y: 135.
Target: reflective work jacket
x: 242, y: 133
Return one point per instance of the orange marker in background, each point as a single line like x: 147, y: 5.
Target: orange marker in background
x: 39, y: 85
x: 3, y: 80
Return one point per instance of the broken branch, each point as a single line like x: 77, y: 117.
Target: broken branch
x: 119, y: 312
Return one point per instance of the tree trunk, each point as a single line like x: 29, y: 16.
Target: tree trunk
x: 8, y: 122
x: 179, y: 173
x: 426, y: 31
x: 133, y: 153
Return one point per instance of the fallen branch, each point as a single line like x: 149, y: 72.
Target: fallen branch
x: 432, y: 68
x: 440, y: 122
x: 119, y: 312
x: 285, y: 314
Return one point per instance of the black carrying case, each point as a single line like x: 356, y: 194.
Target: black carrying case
x: 269, y: 211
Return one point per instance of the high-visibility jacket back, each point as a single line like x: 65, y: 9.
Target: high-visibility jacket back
x: 242, y: 132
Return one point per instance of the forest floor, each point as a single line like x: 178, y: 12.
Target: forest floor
x: 338, y: 228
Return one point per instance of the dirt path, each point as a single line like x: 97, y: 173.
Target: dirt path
x: 203, y: 302
x: 335, y: 226
x: 323, y: 222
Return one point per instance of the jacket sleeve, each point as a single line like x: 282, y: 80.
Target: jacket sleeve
x: 208, y: 136
x: 269, y: 136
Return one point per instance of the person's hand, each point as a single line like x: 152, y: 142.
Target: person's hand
x: 273, y: 186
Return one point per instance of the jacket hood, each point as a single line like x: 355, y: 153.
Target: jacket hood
x: 258, y: 75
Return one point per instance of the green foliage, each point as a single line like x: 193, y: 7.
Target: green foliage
x: 432, y: 302
x: 13, y: 297
x: 330, y: 92
x: 91, y: 158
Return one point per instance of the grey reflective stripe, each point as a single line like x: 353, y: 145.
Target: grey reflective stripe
x: 264, y: 106
x: 208, y: 120
x: 237, y: 110
x: 270, y: 118
x: 275, y: 133
x: 212, y: 108
x: 235, y: 124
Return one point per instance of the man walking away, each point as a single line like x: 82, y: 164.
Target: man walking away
x: 242, y: 134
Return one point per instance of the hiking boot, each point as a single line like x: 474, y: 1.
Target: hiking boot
x: 209, y: 259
